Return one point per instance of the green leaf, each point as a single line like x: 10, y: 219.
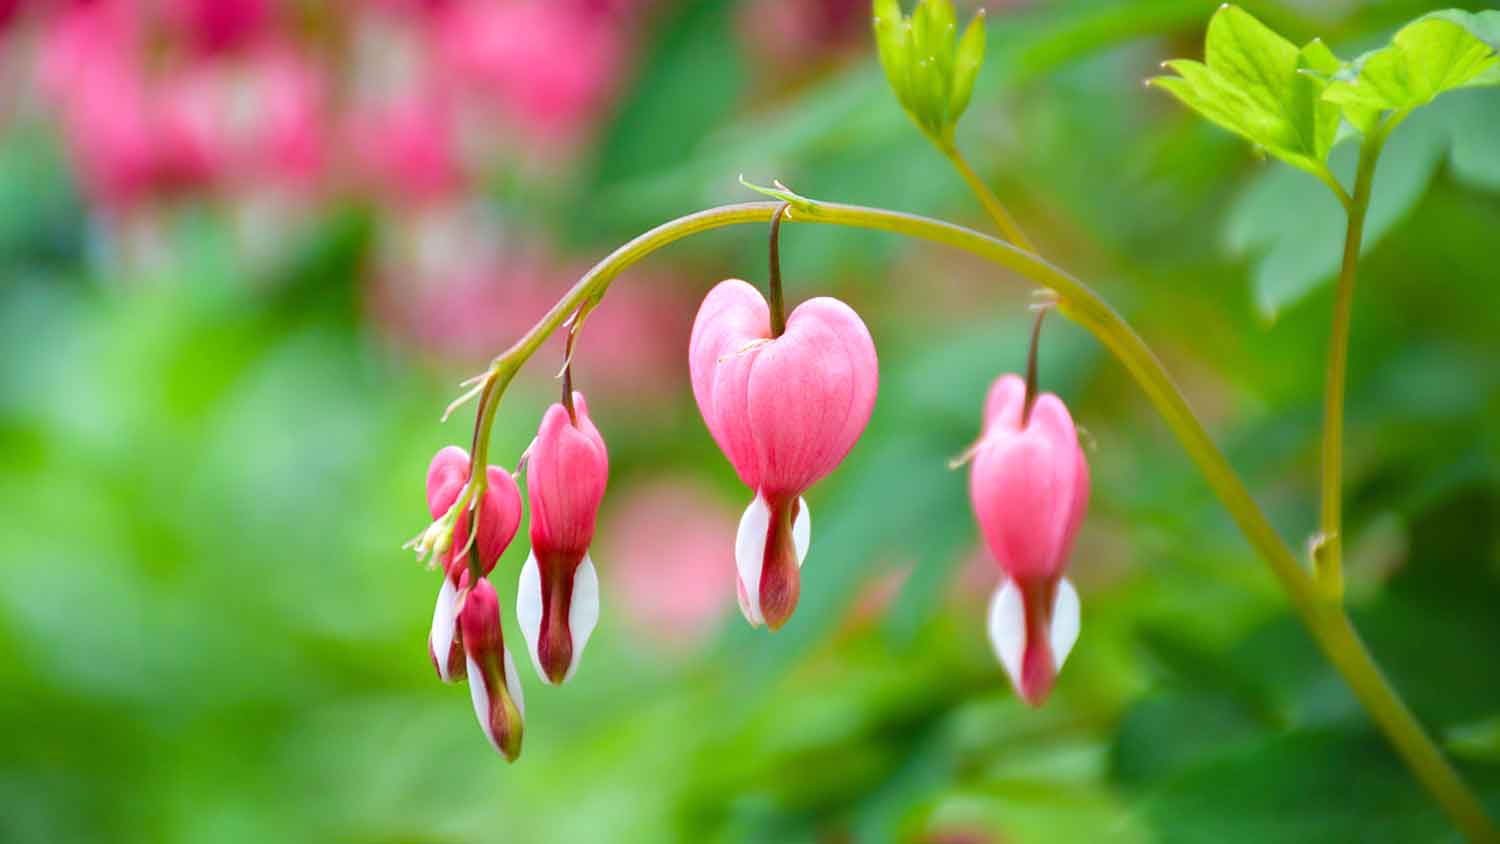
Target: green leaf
x: 1294, y: 233
x: 1482, y: 25
x: 1425, y: 59
x: 1263, y: 88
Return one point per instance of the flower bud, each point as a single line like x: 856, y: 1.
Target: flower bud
x: 930, y: 69
x: 557, y: 603
x: 1030, y: 486
x: 499, y: 518
x: 494, y: 685
x: 785, y: 411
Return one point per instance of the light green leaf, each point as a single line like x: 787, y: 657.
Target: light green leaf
x: 1260, y: 86
x: 1482, y: 25
x: 1425, y: 59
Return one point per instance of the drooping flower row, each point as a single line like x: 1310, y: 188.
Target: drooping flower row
x: 785, y: 408
x: 557, y: 603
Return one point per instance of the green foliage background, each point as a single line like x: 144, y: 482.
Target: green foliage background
x: 209, y: 632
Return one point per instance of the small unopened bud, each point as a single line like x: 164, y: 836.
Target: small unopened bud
x: 494, y: 684
x: 557, y: 602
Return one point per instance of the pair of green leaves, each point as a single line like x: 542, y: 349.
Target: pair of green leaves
x: 1289, y: 100
x: 929, y: 67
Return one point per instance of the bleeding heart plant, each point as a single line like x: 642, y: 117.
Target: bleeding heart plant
x: 786, y: 398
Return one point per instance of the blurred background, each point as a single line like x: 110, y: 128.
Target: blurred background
x: 248, y: 248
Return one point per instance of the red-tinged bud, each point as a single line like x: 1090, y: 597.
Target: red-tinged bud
x: 557, y: 603
x: 1029, y: 486
x: 785, y: 410
x: 500, y: 517
x: 494, y: 685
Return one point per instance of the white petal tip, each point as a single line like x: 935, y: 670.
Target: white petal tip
x: 749, y: 556
x: 444, y: 629
x: 1007, y: 628
x: 529, y: 610
x: 1065, y: 622
x: 583, y: 614
x: 750, y: 551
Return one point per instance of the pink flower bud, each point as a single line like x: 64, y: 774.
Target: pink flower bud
x: 557, y: 603
x: 494, y: 684
x: 500, y: 516
x: 785, y: 411
x: 1030, y: 487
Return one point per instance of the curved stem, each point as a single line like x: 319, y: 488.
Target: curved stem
x: 1329, y: 544
x: 778, y: 302
x: 1328, y: 624
x: 1031, y: 356
x: 987, y: 198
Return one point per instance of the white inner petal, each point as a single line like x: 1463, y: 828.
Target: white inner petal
x: 802, y: 531
x: 529, y: 609
x: 750, y: 555
x: 583, y: 614
x: 1008, y: 628
x: 444, y: 623
x: 1065, y: 619
x: 479, y: 692
x: 513, y: 683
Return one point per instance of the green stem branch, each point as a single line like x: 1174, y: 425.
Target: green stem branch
x: 1328, y: 546
x: 1327, y: 622
x: 992, y: 205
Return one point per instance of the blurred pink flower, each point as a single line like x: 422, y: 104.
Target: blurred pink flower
x: 406, y: 150
x: 549, y: 65
x: 461, y: 288
x: 670, y: 562
x: 254, y: 118
x: 805, y: 32
x: 218, y: 25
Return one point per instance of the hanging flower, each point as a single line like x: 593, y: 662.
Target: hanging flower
x: 785, y: 411
x: 1029, y: 485
x: 558, y: 600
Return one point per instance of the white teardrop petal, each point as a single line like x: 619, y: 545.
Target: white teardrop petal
x: 513, y: 684
x: 802, y: 531
x: 479, y: 692
x: 444, y: 625
x: 583, y: 614
x: 1008, y: 628
x: 1065, y: 620
x: 750, y: 555
x: 529, y: 609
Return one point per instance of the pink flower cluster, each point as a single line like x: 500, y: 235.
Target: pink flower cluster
x: 557, y: 602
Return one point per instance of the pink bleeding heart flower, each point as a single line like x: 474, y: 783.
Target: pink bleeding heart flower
x: 1030, y: 488
x: 499, y: 518
x: 557, y: 603
x: 785, y: 411
x: 494, y: 684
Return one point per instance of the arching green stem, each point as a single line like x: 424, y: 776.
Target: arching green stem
x: 1329, y: 626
